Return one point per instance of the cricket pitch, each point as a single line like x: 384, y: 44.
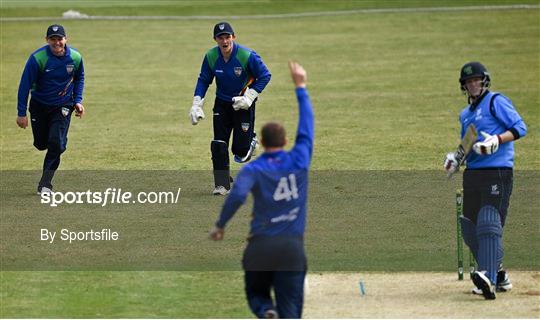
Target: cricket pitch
x: 416, y: 295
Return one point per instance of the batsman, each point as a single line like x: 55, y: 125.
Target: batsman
x: 488, y: 177
x: 241, y: 76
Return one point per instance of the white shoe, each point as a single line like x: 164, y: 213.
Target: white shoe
x: 477, y: 291
x: 503, y: 282
x: 481, y: 281
x: 271, y: 314
x: 254, y: 146
x: 44, y: 190
x: 220, y: 191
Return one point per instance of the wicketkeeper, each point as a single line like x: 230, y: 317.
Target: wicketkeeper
x: 487, y: 180
x: 241, y: 76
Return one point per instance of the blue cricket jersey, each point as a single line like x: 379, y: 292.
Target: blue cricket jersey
x: 493, y: 114
x: 52, y: 80
x: 278, y: 182
x: 244, y: 68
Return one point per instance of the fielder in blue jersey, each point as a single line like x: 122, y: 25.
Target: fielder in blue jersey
x: 240, y: 76
x: 488, y: 178
x: 278, y: 180
x: 54, y: 76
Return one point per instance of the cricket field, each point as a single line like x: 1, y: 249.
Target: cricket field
x: 383, y: 79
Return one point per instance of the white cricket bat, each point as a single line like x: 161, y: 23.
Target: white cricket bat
x: 470, y: 137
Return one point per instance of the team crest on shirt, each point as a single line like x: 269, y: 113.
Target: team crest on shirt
x: 495, y: 190
x: 65, y: 111
x: 478, y: 114
x: 238, y: 71
x: 245, y: 126
x: 69, y: 68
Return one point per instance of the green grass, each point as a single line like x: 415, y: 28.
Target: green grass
x: 34, y: 8
x: 358, y: 221
x: 386, y: 98
x: 122, y: 295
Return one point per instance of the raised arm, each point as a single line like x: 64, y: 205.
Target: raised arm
x: 303, y: 147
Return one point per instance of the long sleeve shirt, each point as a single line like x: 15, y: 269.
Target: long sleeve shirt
x: 52, y: 80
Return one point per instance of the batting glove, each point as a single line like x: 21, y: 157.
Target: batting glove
x: 196, y: 114
x: 490, y: 144
x: 245, y: 101
x: 451, y: 164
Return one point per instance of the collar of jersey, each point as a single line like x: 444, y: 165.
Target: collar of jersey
x: 477, y: 102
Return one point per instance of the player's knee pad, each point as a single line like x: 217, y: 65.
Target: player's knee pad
x: 218, y: 148
x: 488, y: 222
x: 242, y: 155
x: 468, y: 230
x: 220, y: 154
x: 240, y: 152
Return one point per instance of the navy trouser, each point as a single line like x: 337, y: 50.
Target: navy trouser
x: 483, y: 187
x: 278, y: 263
x: 288, y: 289
x: 486, y: 199
x: 50, y: 125
x: 241, y: 124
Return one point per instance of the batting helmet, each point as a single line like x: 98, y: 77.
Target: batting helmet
x: 474, y: 70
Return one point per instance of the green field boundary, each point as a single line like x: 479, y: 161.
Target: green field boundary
x: 83, y: 16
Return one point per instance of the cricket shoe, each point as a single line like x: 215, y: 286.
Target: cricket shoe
x: 483, y: 283
x: 220, y: 191
x: 477, y: 291
x: 271, y: 314
x: 251, y: 152
x: 43, y: 190
x: 503, y: 282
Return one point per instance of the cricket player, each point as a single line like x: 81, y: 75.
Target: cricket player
x: 487, y: 180
x: 241, y: 76
x: 54, y: 75
x: 275, y: 257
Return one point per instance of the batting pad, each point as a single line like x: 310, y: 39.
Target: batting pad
x: 468, y: 230
x: 489, y: 232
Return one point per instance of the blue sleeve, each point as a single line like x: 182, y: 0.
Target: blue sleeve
x: 28, y: 78
x: 507, y: 114
x: 259, y: 70
x: 241, y: 188
x: 205, y: 79
x: 303, y: 147
x: 78, y: 84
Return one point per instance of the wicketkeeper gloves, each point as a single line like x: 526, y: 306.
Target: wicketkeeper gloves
x: 196, y: 114
x: 245, y: 101
x: 490, y: 144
